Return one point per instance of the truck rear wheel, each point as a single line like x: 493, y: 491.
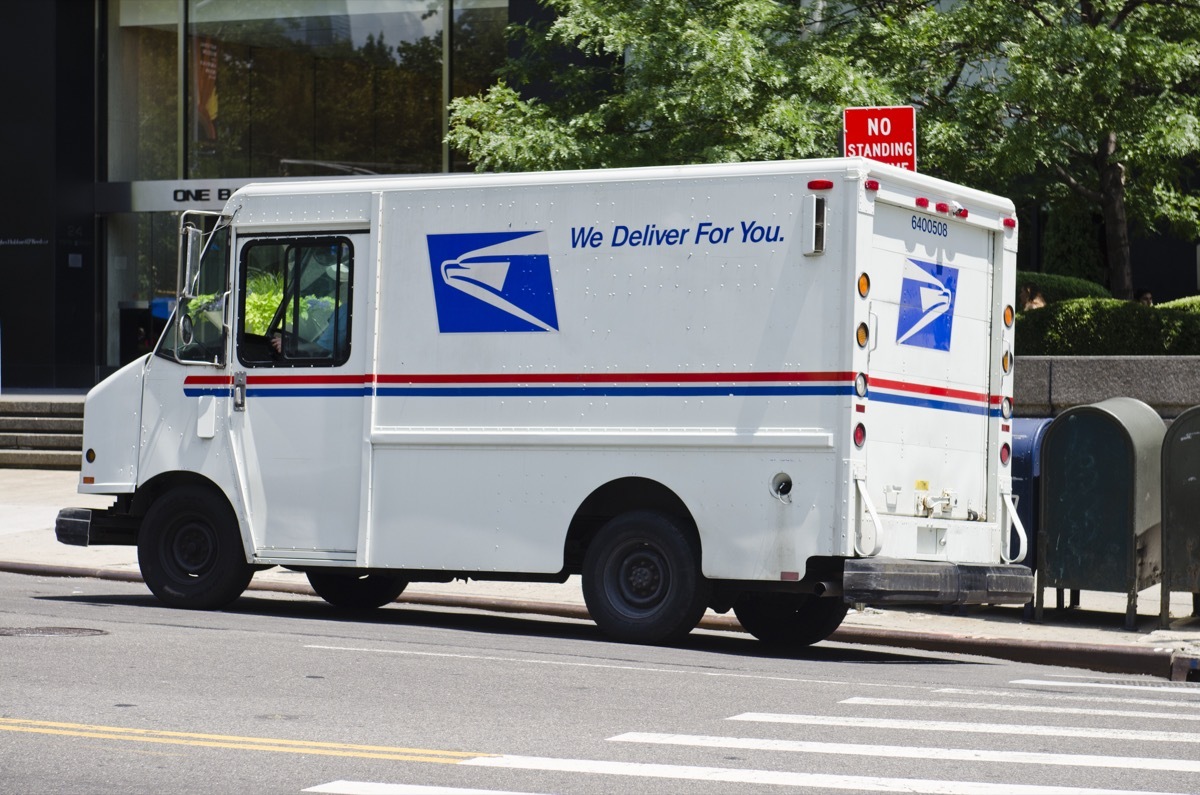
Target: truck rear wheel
x: 789, y: 620
x: 190, y: 550
x: 351, y: 590
x: 642, y: 581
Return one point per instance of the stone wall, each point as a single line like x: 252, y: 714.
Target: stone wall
x: 1046, y: 385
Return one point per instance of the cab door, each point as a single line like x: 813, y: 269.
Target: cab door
x: 299, y: 394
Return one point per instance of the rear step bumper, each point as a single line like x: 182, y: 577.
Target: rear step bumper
x: 891, y: 581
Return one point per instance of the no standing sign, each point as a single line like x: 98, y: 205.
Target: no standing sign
x: 888, y: 134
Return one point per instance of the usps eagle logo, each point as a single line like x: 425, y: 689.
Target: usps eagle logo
x: 492, y: 282
x: 927, y: 295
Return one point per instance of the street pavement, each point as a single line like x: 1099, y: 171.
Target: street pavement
x: 1090, y: 636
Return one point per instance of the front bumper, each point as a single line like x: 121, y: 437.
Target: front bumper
x: 893, y: 581
x: 82, y: 527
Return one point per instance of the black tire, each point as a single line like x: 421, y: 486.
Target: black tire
x: 190, y: 550
x: 788, y: 620
x: 642, y: 580
x: 353, y: 590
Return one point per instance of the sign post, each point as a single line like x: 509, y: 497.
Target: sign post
x: 886, y: 134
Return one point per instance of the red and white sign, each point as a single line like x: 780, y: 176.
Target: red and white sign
x: 888, y: 135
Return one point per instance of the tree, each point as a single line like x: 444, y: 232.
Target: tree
x: 1092, y: 103
x: 665, y: 81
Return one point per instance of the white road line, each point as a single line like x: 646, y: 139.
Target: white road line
x: 1131, y: 735
x: 614, y: 667
x: 912, y: 752
x: 1096, y: 699
x: 372, y: 788
x: 783, y: 778
x: 1178, y: 689
x: 907, y: 702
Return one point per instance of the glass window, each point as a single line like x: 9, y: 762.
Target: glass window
x: 143, y: 90
x: 200, y: 335
x: 317, y: 88
x: 295, y: 302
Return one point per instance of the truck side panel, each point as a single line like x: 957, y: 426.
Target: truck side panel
x: 561, y: 338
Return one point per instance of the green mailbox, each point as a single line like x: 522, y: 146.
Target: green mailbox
x: 1181, y: 511
x: 1100, y: 502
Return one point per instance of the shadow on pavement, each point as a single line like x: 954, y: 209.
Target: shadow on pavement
x: 314, y: 610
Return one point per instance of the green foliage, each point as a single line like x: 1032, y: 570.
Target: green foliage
x: 1053, y: 288
x: 1188, y: 304
x: 1071, y: 241
x: 1084, y: 108
x: 668, y: 81
x: 264, y: 291
x: 1108, y: 327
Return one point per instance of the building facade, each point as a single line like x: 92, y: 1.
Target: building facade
x: 126, y: 112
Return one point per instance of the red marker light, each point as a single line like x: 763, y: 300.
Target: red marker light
x: 1010, y: 223
x: 820, y: 184
x: 922, y: 202
x: 942, y: 207
x: 961, y: 212
x: 1005, y: 453
x: 871, y: 184
x: 860, y: 435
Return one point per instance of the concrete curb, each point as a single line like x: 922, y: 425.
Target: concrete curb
x: 1112, y: 658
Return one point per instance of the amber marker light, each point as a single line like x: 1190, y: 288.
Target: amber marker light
x: 864, y: 285
x: 1009, y: 316
x: 863, y: 335
x: 1006, y: 361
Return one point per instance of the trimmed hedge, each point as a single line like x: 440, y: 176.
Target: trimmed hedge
x: 1054, y: 288
x: 1110, y: 327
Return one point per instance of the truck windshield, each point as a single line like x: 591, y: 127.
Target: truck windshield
x: 196, y: 332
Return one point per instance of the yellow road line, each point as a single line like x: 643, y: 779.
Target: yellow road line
x: 198, y: 740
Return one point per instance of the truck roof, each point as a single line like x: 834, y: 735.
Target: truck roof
x: 856, y: 168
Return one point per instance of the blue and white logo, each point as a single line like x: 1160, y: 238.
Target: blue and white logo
x: 927, y: 305
x: 492, y: 281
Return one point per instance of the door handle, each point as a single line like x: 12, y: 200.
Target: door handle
x: 239, y: 391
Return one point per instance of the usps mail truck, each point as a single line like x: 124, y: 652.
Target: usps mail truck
x: 777, y: 388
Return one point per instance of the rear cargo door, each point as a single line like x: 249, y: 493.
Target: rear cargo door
x: 931, y: 298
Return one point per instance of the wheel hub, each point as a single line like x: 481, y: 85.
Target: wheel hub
x: 643, y: 579
x: 193, y: 549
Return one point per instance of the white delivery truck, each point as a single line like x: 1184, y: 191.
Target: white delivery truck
x: 777, y: 388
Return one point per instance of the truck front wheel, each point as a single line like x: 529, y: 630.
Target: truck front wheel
x: 190, y: 550
x: 354, y: 590
x: 787, y: 620
x: 642, y: 581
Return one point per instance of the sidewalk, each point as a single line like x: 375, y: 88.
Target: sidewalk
x: 1091, y: 636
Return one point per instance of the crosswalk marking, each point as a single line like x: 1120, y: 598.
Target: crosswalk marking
x: 906, y: 702
x: 1175, y: 689
x: 1096, y: 698
x: 910, y: 752
x: 1131, y: 735
x: 823, y: 781
x: 373, y: 788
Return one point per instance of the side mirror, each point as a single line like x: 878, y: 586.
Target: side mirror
x: 191, y: 245
x: 186, y: 333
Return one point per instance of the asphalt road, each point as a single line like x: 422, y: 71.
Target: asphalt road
x: 104, y: 690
